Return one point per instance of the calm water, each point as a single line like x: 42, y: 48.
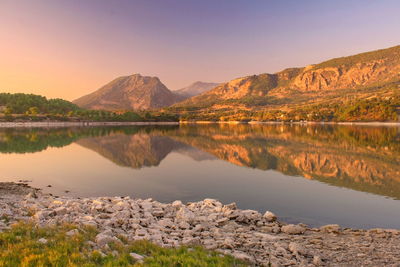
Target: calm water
x: 312, y: 174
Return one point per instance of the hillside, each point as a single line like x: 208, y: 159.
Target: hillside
x: 195, y: 88
x: 134, y: 92
x: 33, y: 104
x: 340, y: 82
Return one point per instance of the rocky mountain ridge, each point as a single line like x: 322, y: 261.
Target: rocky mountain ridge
x: 354, y: 72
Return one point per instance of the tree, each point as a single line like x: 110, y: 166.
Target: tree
x: 33, y: 111
x: 8, y: 111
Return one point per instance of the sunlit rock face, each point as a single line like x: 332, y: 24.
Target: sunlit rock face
x: 134, y: 92
x: 346, y: 75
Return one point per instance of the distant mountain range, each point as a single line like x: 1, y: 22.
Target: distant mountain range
x: 137, y: 92
x: 340, y: 81
x: 196, y: 88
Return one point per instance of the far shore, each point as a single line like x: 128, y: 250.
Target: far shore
x: 45, y: 124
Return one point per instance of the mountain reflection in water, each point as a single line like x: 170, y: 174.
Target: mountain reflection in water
x: 257, y: 166
x: 360, y: 158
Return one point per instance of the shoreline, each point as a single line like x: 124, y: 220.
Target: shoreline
x: 245, y: 234
x: 39, y: 124
x: 372, y: 123
x: 47, y: 124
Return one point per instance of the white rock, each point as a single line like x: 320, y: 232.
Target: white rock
x: 266, y: 237
x: 229, y: 243
x: 177, y: 204
x: 147, y: 206
x: 43, y: 241
x: 60, y: 210
x: 317, y: 261
x: 185, y: 214
x: 103, y: 240
x: 107, y: 232
x: 242, y: 256
x: 141, y: 232
x: 212, y: 202
x: 297, y: 248
x: 137, y: 257
x: 165, y: 223
x: 247, y: 216
x: 57, y: 202
x: 293, y: 229
x: 269, y: 216
x: 31, y: 195
x: 330, y: 228
x: 72, y: 232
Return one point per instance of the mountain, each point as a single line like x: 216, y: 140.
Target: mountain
x: 134, y: 92
x: 363, y: 76
x: 196, y: 88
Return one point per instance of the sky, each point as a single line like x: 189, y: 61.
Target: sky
x: 69, y: 48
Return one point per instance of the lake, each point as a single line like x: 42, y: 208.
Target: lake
x: 314, y: 174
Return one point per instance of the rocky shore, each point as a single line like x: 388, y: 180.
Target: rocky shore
x: 246, y: 234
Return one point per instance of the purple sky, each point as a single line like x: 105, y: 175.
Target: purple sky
x: 68, y: 48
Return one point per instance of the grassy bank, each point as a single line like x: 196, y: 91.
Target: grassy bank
x: 28, y: 245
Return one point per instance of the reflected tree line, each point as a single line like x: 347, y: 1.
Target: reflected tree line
x: 361, y: 158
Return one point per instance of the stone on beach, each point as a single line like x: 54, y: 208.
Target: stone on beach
x: 245, y: 234
x: 293, y: 229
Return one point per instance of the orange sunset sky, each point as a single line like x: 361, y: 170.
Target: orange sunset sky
x: 70, y: 48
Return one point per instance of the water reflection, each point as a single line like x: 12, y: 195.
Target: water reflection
x: 360, y: 158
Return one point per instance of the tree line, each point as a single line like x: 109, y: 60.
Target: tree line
x: 30, y: 107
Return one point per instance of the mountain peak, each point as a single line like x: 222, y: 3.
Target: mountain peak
x: 196, y: 88
x: 133, y: 92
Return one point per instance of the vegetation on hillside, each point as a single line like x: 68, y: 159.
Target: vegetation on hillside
x: 20, y: 246
x: 374, y: 109
x: 34, y: 104
x: 392, y: 53
x: 30, y: 107
x: 378, y: 103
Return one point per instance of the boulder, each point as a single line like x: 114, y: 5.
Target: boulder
x: 269, y: 216
x: 72, y: 232
x: 60, y: 210
x: 102, y: 239
x: 330, y: 228
x: 186, y: 215
x: 137, y: 257
x: 296, y: 248
x: 293, y: 229
x: 247, y: 216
